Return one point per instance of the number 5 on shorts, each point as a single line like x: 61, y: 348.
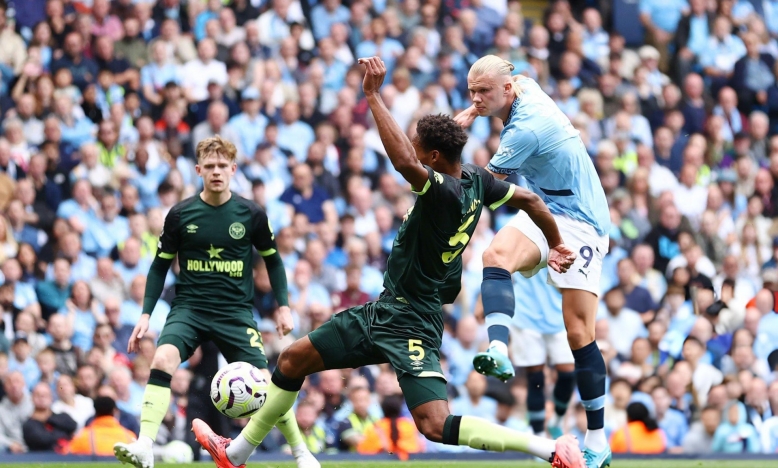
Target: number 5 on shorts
x: 414, y: 346
x: 256, y: 341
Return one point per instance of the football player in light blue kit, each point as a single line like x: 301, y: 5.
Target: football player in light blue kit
x: 538, y: 337
x: 540, y: 143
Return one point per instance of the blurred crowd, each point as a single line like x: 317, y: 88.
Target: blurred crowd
x: 101, y: 103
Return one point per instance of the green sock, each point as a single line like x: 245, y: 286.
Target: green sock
x: 277, y: 406
x: 483, y: 435
x: 156, y: 400
x: 287, y: 424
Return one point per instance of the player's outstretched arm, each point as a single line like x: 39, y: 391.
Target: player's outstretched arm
x: 398, y: 146
x: 560, y: 256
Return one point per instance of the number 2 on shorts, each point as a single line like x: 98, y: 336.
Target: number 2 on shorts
x: 414, y: 346
x: 256, y: 341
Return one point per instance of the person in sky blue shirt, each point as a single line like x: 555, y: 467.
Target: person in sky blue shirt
x: 539, y: 143
x: 538, y: 337
x: 325, y: 14
x: 249, y: 124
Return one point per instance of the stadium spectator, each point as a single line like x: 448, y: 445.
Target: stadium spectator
x: 393, y: 433
x: 16, y: 408
x: 352, y: 431
x: 735, y: 434
x: 21, y: 360
x: 641, y: 435
x: 98, y: 107
x: 699, y: 439
x: 99, y: 436
x: 78, y: 407
x: 47, y: 431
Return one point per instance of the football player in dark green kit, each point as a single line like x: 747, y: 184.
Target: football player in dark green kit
x: 213, y: 234
x: 404, y: 327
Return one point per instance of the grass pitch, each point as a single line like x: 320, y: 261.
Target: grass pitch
x: 436, y: 464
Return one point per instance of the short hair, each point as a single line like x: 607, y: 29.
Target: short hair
x: 216, y: 144
x: 104, y: 406
x: 694, y: 339
x: 441, y: 133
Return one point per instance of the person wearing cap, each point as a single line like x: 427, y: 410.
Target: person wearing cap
x: 250, y: 124
x: 21, y: 360
x: 649, y: 58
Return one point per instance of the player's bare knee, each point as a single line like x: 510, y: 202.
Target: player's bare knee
x: 285, y: 363
x: 431, y: 427
x: 497, y: 256
x: 166, y: 359
x: 579, y: 337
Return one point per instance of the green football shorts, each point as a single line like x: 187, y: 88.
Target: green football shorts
x: 236, y: 336
x: 387, y: 331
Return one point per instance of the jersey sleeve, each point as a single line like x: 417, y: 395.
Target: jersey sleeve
x: 516, y: 145
x: 169, y: 239
x: 262, y: 236
x: 437, y: 187
x: 496, y: 191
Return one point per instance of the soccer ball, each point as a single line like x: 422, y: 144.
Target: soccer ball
x: 238, y: 390
x: 177, y: 452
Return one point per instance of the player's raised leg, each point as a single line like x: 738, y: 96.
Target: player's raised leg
x: 579, y: 308
x: 511, y: 250
x: 436, y: 423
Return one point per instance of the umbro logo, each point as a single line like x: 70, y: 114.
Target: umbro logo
x: 585, y: 273
x: 191, y: 229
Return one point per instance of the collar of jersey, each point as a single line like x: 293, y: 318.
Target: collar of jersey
x: 513, y: 110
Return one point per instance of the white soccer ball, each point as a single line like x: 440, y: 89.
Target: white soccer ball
x: 238, y: 390
x: 177, y: 452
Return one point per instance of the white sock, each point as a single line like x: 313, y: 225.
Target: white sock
x: 541, y: 447
x: 299, y: 450
x: 499, y: 346
x: 145, y: 440
x: 595, y: 440
x: 240, y: 450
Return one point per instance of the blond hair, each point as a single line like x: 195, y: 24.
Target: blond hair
x: 495, y: 66
x: 216, y: 144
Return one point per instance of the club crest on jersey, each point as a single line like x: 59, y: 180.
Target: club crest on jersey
x: 237, y: 231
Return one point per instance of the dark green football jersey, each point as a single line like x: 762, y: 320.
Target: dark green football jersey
x: 214, y: 247
x: 425, y: 268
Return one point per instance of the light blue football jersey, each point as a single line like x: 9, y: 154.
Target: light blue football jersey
x: 541, y: 144
x: 538, y: 304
